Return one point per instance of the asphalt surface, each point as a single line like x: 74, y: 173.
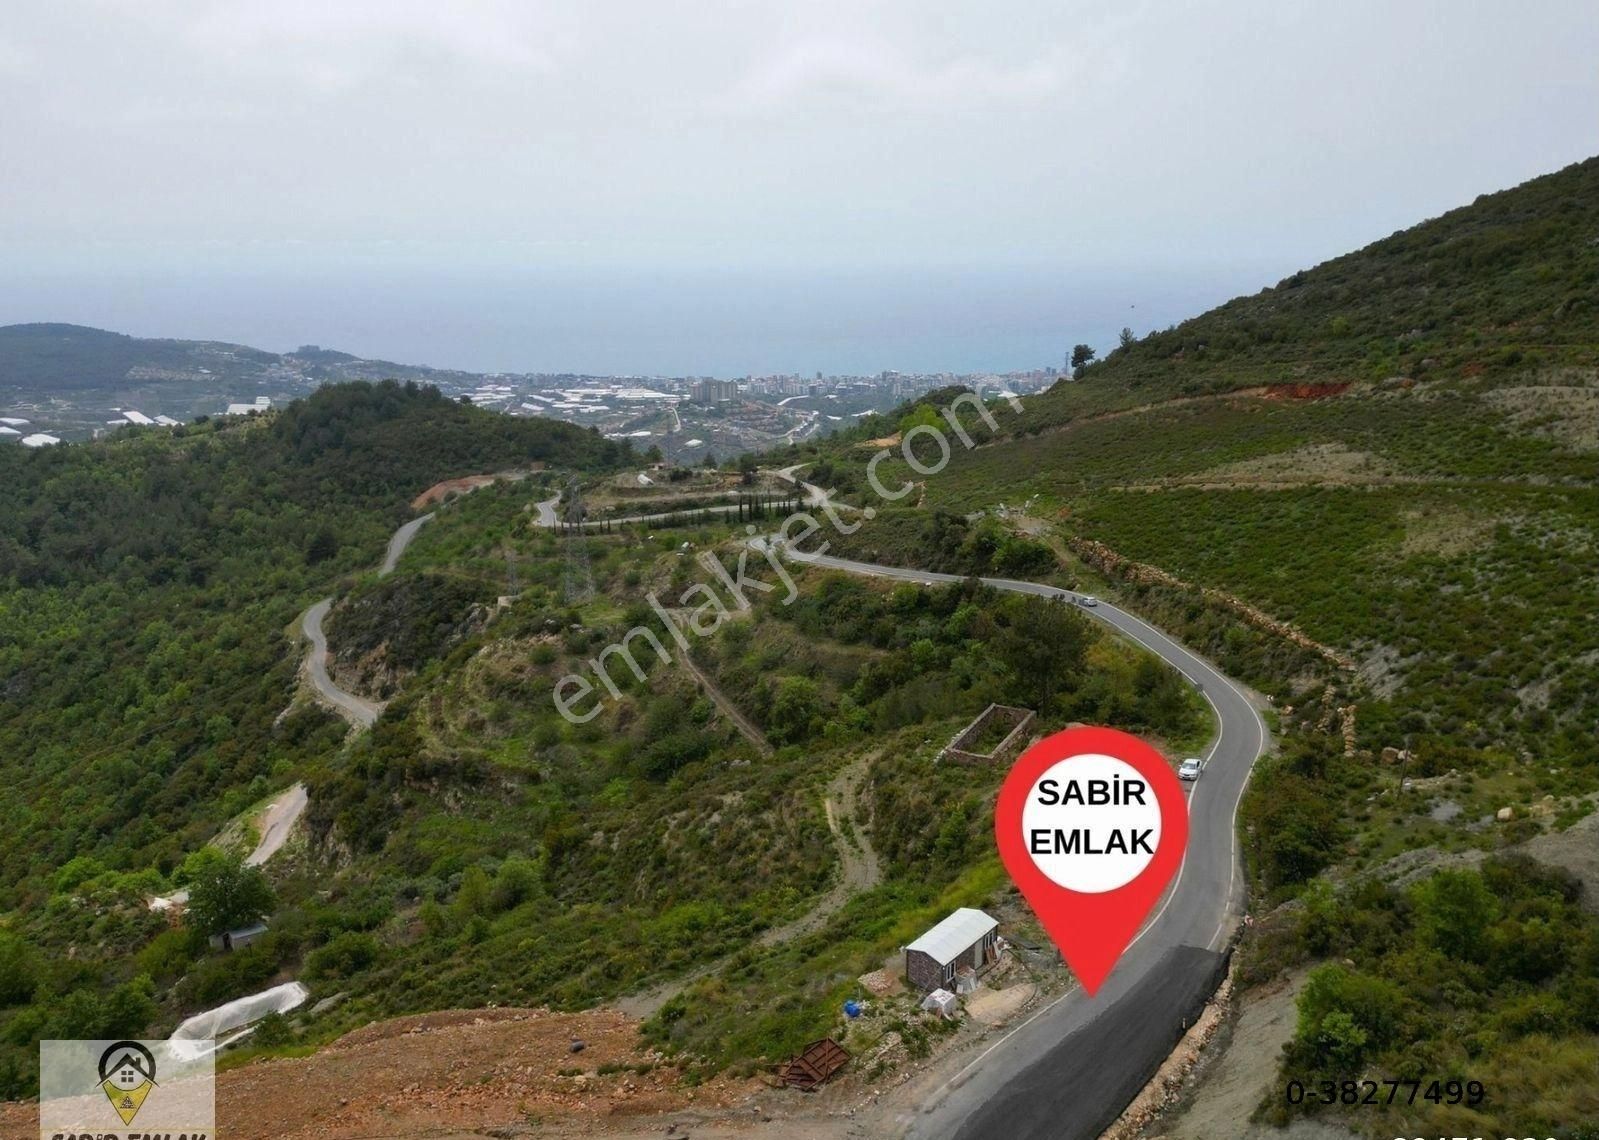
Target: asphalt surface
x: 399, y: 541
x: 1053, y: 1076
x: 276, y: 823
x: 1071, y: 1068
x: 360, y: 712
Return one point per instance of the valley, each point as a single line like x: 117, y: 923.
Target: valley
x: 1338, y: 537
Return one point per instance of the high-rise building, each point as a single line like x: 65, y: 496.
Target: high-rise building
x: 713, y: 391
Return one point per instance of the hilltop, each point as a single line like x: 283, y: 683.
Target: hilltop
x: 1369, y: 491
x: 1504, y: 285
x: 45, y: 358
x: 67, y: 378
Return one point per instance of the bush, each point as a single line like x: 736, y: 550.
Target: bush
x: 18, y: 970
x: 348, y: 954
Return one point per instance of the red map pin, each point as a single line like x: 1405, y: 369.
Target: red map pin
x: 1091, y: 824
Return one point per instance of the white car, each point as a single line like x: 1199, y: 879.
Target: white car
x: 1190, y: 768
x: 1088, y: 600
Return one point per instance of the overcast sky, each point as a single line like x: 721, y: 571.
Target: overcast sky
x: 293, y: 142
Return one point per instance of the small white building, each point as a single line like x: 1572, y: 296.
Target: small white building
x: 967, y: 939
x: 39, y: 439
x: 238, y: 939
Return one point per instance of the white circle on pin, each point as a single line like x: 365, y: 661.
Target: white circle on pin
x: 1091, y: 823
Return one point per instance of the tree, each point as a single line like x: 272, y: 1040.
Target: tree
x: 1454, y: 910
x: 795, y: 705
x: 1082, y: 356
x: 323, y: 545
x: 1044, y: 645
x: 1127, y: 338
x: 746, y: 469
x: 1371, y: 1008
x: 18, y: 970
x: 224, y: 892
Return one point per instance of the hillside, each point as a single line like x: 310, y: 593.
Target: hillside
x: 46, y: 358
x: 67, y: 378
x: 474, y: 847
x: 50, y: 358
x: 1369, y: 491
x: 1503, y: 286
x: 148, y: 585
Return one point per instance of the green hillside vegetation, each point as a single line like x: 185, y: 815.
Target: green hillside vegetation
x: 474, y: 847
x: 1505, y: 286
x: 66, y: 358
x: 523, y: 859
x: 1394, y: 453
x: 147, y: 586
x: 1369, y: 492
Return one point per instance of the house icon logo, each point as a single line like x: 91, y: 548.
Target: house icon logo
x: 127, y: 1074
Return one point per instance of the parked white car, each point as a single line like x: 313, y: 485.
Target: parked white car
x: 1190, y: 768
x: 1088, y: 600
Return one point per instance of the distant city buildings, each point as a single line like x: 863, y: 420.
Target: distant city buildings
x: 713, y: 391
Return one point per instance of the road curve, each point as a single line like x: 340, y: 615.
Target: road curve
x: 1072, y: 1068
x: 1069, y: 1070
x: 276, y: 822
x: 399, y: 541
x: 360, y: 712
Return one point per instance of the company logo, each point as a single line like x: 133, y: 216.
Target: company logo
x: 127, y: 1074
x: 148, y: 1088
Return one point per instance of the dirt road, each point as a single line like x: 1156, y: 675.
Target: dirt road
x: 858, y: 870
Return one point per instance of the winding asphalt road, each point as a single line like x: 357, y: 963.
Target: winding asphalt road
x: 360, y: 712
x: 1069, y: 1070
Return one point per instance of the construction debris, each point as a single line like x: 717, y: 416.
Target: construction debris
x: 814, y: 1065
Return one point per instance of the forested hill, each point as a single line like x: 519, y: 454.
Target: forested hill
x: 1509, y: 281
x: 53, y: 357
x: 155, y: 507
x: 146, y: 584
x: 44, y: 358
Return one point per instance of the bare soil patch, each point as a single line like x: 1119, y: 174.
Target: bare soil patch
x: 1446, y: 532
x: 464, y: 1071
x: 1565, y: 413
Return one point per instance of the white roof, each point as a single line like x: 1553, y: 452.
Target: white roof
x: 12, y: 420
x: 39, y: 439
x: 134, y: 417
x: 8, y: 430
x: 945, y: 942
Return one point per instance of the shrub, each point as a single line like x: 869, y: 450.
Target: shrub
x: 348, y: 954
